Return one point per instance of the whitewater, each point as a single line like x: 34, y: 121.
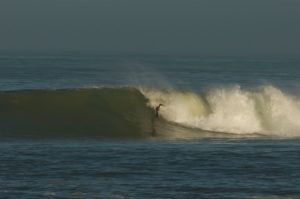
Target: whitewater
x: 265, y: 111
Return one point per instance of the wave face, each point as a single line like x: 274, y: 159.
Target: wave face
x: 129, y: 112
x: 108, y: 112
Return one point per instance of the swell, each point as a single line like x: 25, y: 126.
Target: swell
x: 105, y: 112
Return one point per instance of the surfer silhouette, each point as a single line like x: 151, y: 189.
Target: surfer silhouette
x: 153, y: 133
x: 157, y: 109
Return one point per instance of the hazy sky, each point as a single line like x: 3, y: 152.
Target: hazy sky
x: 156, y: 26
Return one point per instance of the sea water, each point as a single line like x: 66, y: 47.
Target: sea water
x: 84, y: 127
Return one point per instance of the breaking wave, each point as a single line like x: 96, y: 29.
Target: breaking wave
x: 129, y: 112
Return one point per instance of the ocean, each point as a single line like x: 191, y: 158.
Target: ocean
x: 85, y: 126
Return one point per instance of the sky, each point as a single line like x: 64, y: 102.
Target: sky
x: 151, y: 26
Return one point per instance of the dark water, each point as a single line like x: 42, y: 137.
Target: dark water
x: 178, y: 161
x: 208, y: 168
